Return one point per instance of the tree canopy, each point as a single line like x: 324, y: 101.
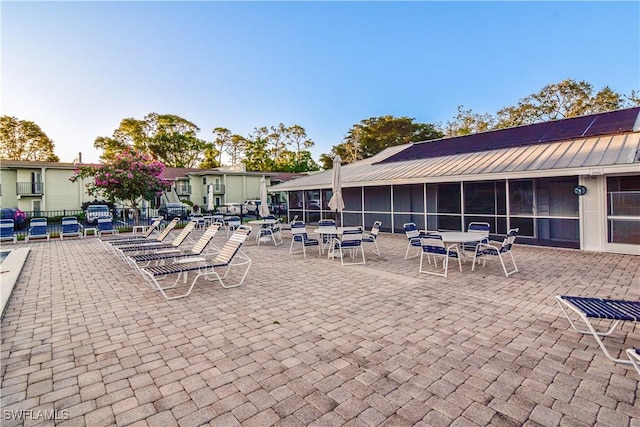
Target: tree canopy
x: 24, y: 140
x: 372, y: 135
x: 569, y: 98
x: 168, y: 138
x: 129, y: 176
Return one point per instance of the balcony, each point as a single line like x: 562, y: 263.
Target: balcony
x: 183, y: 189
x: 217, y: 188
x: 29, y: 188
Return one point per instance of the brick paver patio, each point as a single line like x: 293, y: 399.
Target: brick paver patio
x: 307, y: 342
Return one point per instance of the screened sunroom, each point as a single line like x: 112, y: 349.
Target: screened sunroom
x: 571, y: 183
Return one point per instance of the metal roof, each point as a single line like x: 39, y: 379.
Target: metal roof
x: 580, y: 156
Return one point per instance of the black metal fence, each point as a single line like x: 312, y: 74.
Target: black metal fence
x: 123, y: 219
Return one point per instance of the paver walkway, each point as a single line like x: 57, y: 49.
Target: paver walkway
x: 307, y: 342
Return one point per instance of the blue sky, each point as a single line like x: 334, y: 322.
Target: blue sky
x: 78, y: 68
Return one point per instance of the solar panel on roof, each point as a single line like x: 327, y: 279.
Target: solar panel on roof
x: 609, y: 123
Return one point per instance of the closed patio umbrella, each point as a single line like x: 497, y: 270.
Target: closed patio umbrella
x: 263, y: 209
x: 210, y: 206
x: 336, y: 203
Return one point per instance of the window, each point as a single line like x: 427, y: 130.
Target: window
x: 408, y: 198
x: 521, y: 197
x: 623, y: 209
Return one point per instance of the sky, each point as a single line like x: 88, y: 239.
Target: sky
x: 78, y: 68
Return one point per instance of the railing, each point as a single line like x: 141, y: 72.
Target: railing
x: 123, y: 220
x: 217, y: 188
x: 183, y: 190
x: 29, y: 188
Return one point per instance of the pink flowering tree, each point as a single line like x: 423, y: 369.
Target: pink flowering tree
x: 130, y: 176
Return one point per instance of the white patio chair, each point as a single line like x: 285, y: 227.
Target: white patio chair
x: 433, y: 246
x: 351, y: 243
x: 233, y: 222
x: 482, y: 228
x: 299, y: 235
x: 372, y: 237
x: 487, y: 250
x: 413, y: 237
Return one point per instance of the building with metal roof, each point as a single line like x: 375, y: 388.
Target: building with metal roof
x: 569, y: 183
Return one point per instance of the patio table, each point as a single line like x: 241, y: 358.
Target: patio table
x: 330, y: 232
x: 461, y: 237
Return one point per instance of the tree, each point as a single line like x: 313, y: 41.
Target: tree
x: 467, y: 122
x: 221, y: 141
x: 256, y: 151
x: 166, y: 137
x: 235, y: 148
x: 24, y: 140
x: 129, y: 176
x: 555, y: 101
x: 372, y: 135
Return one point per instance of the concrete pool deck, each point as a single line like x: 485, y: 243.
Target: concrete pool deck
x: 308, y: 342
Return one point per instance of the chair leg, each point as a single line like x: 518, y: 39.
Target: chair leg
x: 591, y: 330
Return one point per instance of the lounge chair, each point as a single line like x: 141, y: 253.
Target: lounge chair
x: 70, y: 227
x: 433, y: 246
x: 634, y: 357
x: 229, y: 256
x: 372, y: 237
x: 147, y: 247
x: 487, y: 250
x: 105, y: 226
x: 162, y: 257
x: 150, y: 230
x: 599, y: 308
x: 136, y: 242
x: 6, y: 231
x: 37, y: 229
x: 299, y: 235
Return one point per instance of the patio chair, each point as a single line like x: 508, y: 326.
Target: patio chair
x: 146, y: 247
x: 413, y: 237
x: 372, y: 237
x: 6, y: 231
x: 164, y: 256
x: 612, y: 310
x: 155, y: 225
x: 634, y: 357
x: 37, y: 229
x: 233, y: 222
x: 287, y: 226
x: 136, y: 242
x: 351, y: 241
x: 230, y: 256
x: 486, y: 250
x: 270, y: 232
x: 70, y: 227
x: 105, y: 226
x: 433, y: 246
x: 477, y: 227
x: 299, y: 235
